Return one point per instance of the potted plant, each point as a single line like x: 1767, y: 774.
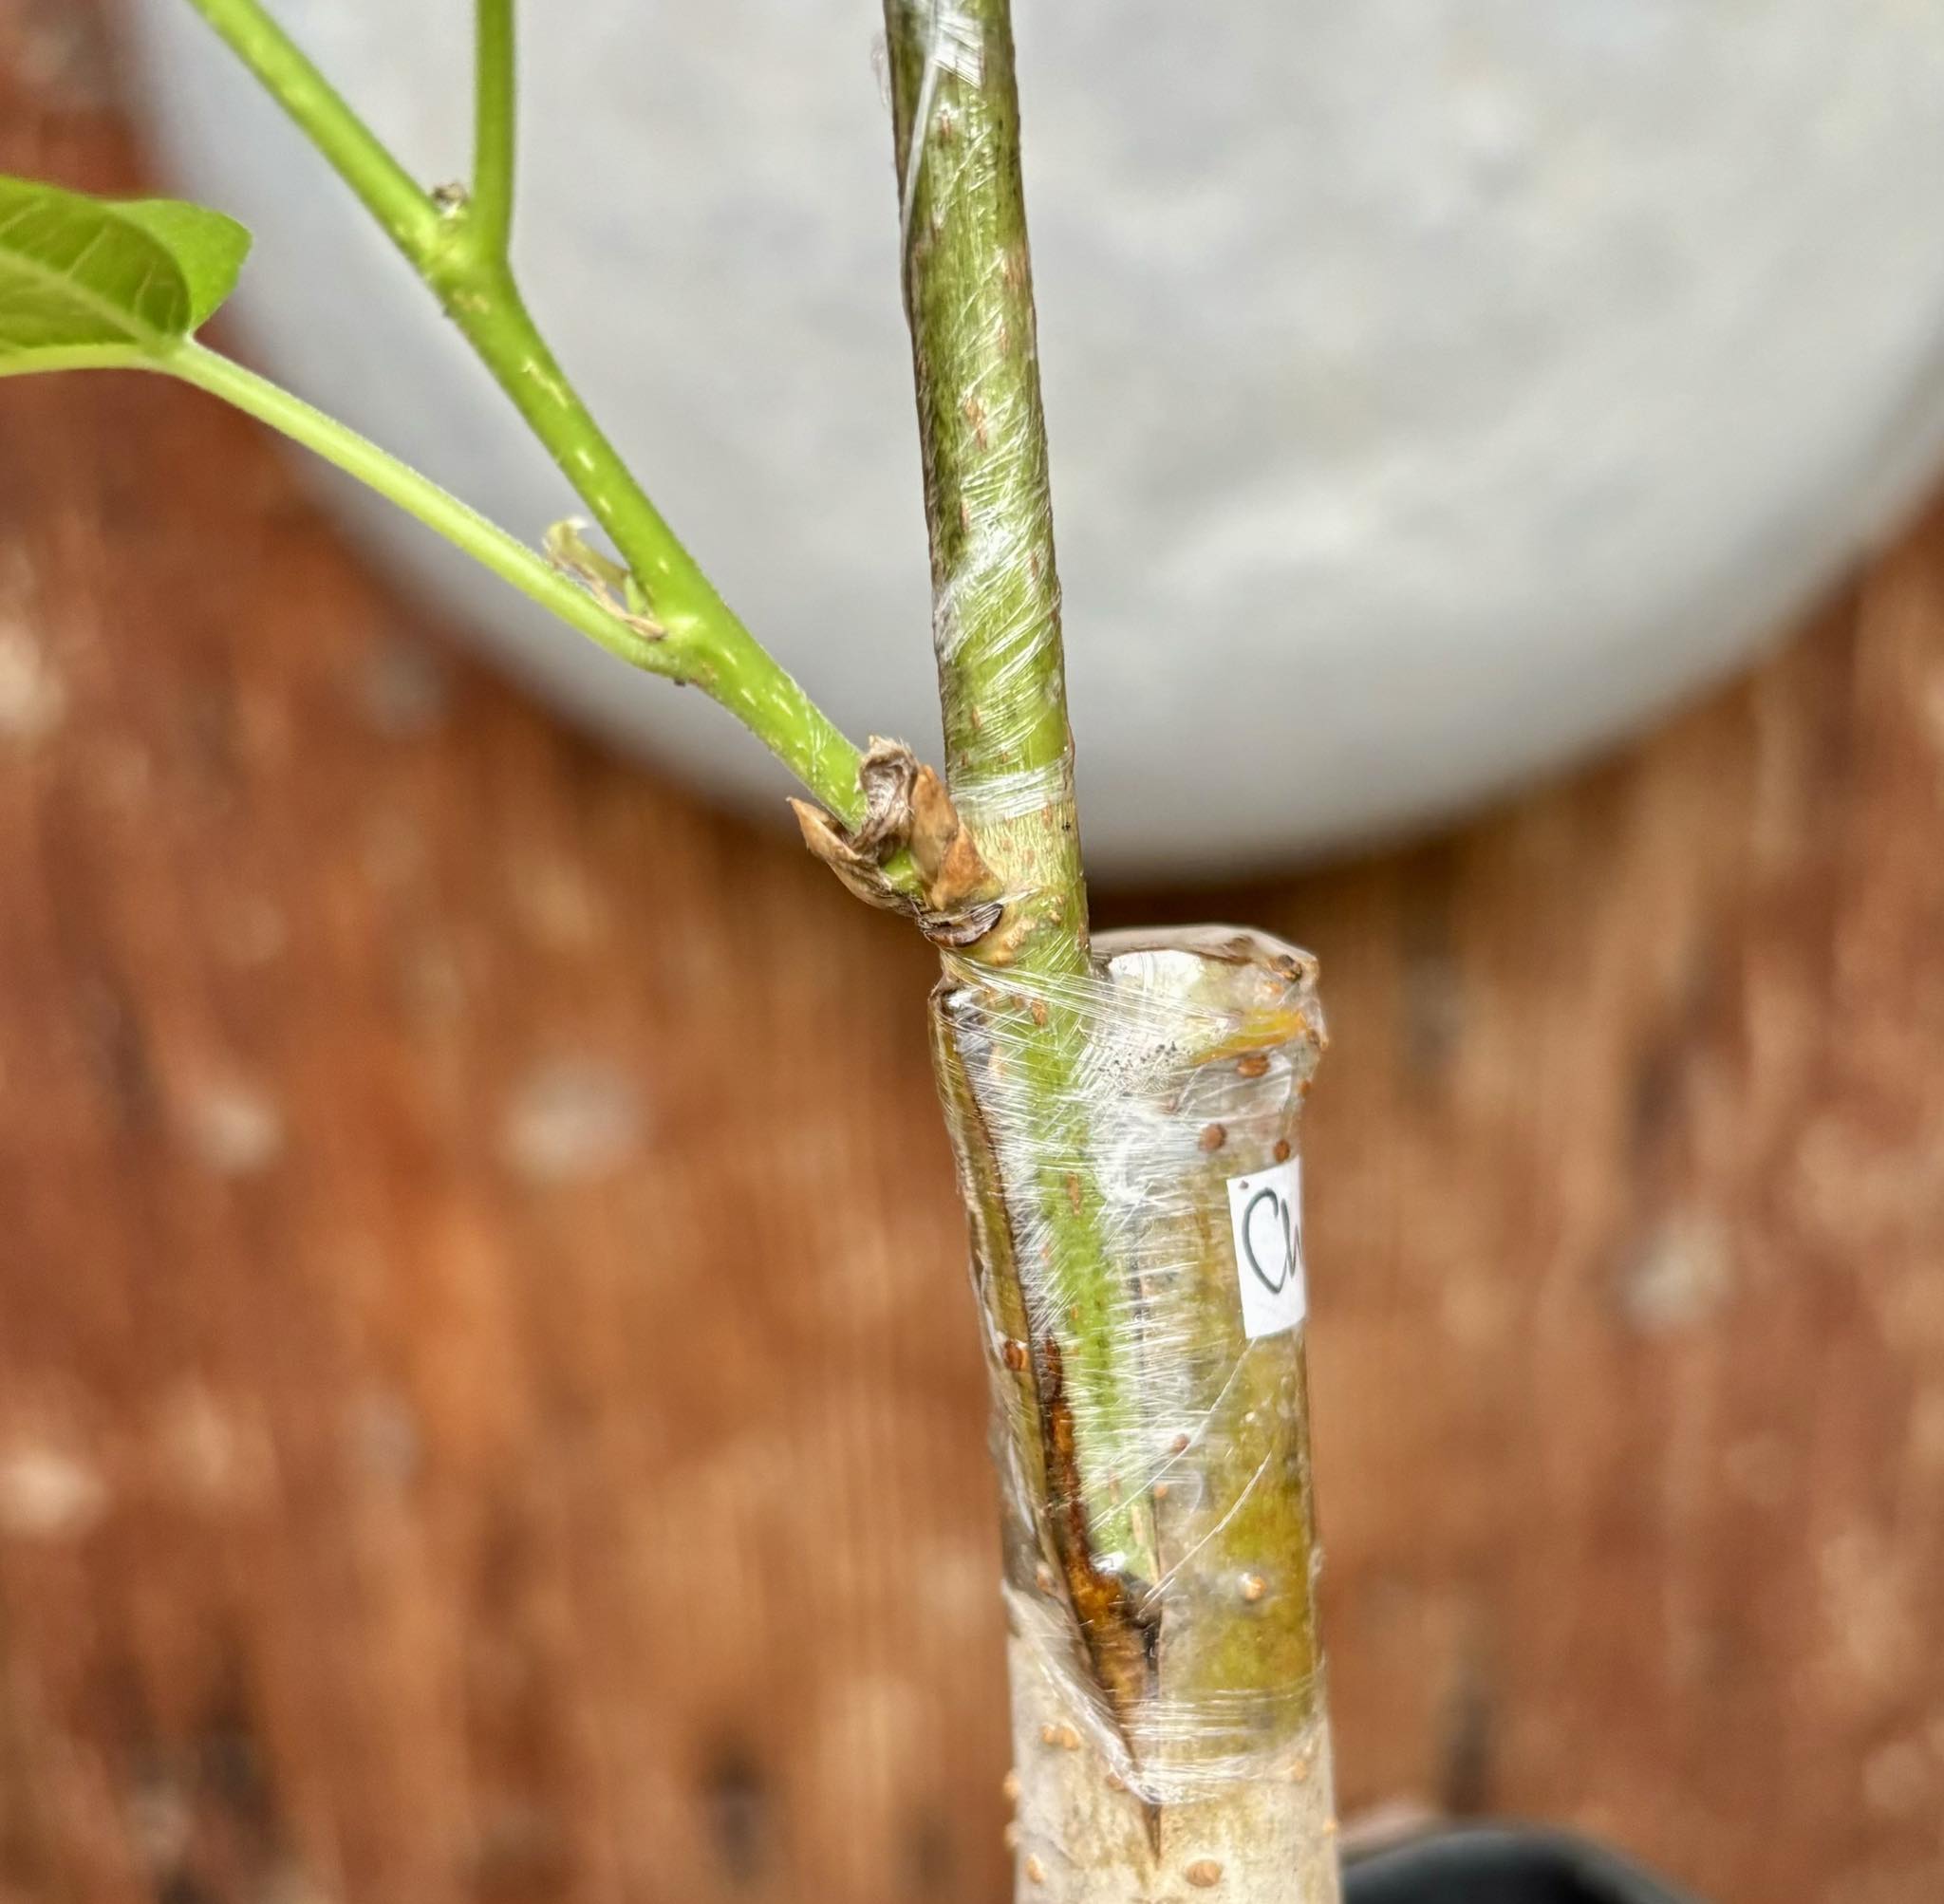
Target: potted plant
x: 1125, y: 1109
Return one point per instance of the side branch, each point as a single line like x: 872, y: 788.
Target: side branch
x: 495, y: 112
x: 459, y: 250
x: 388, y: 192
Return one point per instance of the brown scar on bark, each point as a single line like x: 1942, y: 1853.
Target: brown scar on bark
x: 1122, y: 1640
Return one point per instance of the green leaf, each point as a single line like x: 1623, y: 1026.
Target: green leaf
x: 77, y: 272
x: 208, y: 247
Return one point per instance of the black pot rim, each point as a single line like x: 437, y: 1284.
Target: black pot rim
x: 1502, y: 1864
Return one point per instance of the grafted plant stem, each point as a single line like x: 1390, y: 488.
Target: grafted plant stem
x: 1031, y: 1035
x: 968, y: 293
x: 996, y: 626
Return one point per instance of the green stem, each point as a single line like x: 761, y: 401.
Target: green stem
x: 343, y: 447
x: 728, y: 662
x: 462, y: 526
x: 494, y: 117
x: 806, y: 741
x: 390, y: 192
x: 456, y: 253
x: 788, y: 724
x: 75, y: 357
x: 968, y: 293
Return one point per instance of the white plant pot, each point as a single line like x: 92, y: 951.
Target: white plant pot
x: 1438, y: 388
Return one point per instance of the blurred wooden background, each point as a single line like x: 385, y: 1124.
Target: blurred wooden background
x: 488, y: 1407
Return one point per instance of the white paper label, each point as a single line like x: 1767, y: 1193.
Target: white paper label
x: 1265, y: 1212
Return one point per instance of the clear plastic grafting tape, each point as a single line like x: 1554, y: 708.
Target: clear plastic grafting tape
x: 1128, y: 1151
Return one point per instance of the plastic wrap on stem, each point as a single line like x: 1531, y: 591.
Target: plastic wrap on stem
x: 996, y: 602
x: 1136, y: 1251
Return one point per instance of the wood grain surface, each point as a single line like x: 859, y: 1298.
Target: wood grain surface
x: 488, y: 1406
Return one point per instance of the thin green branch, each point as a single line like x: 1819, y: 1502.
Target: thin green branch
x: 729, y: 663
x: 494, y: 116
x: 968, y: 292
x: 75, y: 357
x: 475, y: 285
x: 390, y: 192
x: 792, y: 728
x: 462, y: 526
